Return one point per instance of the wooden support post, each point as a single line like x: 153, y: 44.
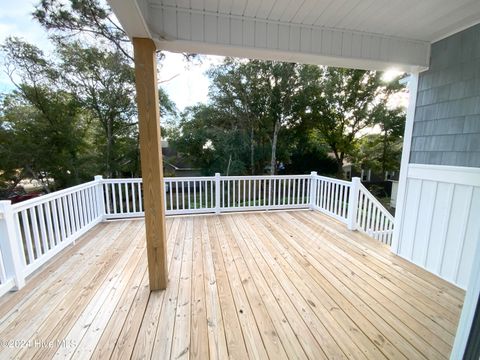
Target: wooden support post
x: 151, y: 159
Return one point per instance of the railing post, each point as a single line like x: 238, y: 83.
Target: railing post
x: 100, y: 196
x: 217, y: 193
x: 10, y: 245
x: 313, y: 189
x: 353, y: 203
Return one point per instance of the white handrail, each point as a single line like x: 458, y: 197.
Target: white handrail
x: 34, y: 231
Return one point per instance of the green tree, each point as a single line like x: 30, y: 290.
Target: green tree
x: 103, y: 82
x: 343, y: 103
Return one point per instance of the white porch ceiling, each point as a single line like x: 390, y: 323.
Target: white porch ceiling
x: 370, y: 34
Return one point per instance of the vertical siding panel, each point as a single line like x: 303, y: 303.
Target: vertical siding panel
x: 260, y: 34
x: 272, y: 36
x: 294, y: 42
x: 184, y: 30
x: 456, y: 231
x: 224, y: 30
x: 170, y: 21
x: 410, y: 220
x: 424, y: 223
x: 306, y: 40
x: 248, y: 33
x: 439, y: 226
x: 471, y: 240
x: 283, y: 37
x: 197, y: 27
x: 236, y: 32
x: 210, y: 28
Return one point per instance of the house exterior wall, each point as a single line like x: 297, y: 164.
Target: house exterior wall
x: 446, y: 127
x: 438, y: 224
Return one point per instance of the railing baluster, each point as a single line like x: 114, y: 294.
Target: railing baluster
x: 36, y: 236
x: 140, y: 197
x: 27, y: 236
x: 68, y: 227
x: 61, y: 220
x: 107, y: 197
x: 43, y: 228
x: 134, y: 198
x: 127, y: 198
x: 195, y: 195
x: 114, y: 195
x: 56, y: 228
x: 51, y: 235
x: 188, y: 194
x: 120, y: 197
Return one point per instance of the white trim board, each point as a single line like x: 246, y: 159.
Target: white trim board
x: 449, y: 174
x: 407, y: 143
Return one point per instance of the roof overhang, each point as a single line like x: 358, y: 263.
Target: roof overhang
x: 178, y: 26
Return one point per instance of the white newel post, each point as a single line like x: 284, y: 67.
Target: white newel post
x: 100, y: 196
x: 313, y: 189
x: 217, y: 193
x: 10, y: 245
x: 353, y: 204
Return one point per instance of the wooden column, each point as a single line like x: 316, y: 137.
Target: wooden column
x: 151, y: 159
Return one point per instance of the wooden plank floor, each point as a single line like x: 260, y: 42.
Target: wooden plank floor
x: 272, y: 285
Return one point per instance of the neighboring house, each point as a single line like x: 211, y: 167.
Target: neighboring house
x: 366, y: 175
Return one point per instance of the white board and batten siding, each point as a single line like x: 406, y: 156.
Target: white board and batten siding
x: 441, y: 225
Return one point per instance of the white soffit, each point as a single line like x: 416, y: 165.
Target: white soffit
x: 369, y: 34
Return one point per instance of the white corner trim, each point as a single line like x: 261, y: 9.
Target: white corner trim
x: 468, y: 311
x: 130, y: 16
x: 407, y: 142
x: 449, y: 174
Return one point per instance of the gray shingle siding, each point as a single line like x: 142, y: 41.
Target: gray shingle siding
x: 446, y: 129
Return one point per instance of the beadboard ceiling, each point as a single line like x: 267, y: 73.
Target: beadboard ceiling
x: 374, y: 34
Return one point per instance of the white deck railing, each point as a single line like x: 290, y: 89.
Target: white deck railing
x: 34, y: 231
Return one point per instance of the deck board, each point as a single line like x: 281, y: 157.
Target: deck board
x: 286, y: 284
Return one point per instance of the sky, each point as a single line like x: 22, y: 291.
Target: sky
x: 185, y: 82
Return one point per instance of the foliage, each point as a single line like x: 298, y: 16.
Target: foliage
x: 343, y: 103
x: 80, y: 19
x: 261, y: 112
x: 73, y: 114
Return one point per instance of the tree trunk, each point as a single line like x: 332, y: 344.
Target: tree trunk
x: 252, y: 151
x: 339, y: 159
x: 273, y: 162
x: 109, y: 149
x: 229, y: 162
x: 384, y: 155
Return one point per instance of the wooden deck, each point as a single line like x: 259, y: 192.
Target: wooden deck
x: 272, y: 285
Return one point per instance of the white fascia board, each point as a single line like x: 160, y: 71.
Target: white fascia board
x: 130, y: 15
x: 179, y: 46
x: 184, y: 30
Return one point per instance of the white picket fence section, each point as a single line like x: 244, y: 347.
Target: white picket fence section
x: 34, y: 231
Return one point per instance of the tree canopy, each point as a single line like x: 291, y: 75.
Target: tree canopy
x: 72, y: 114
x: 263, y: 113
